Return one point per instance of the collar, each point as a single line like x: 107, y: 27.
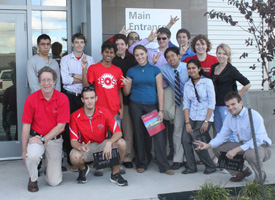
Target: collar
x: 83, y: 116
x: 242, y: 113
x: 54, y: 97
x: 180, y: 67
x: 73, y: 56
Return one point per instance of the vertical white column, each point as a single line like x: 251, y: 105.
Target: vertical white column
x: 94, y: 28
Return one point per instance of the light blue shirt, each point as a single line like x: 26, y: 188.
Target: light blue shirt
x: 168, y: 74
x: 206, y: 92
x: 240, y: 126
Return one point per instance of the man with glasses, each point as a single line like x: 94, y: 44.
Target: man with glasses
x: 37, y: 62
x: 88, y: 127
x: 46, y: 111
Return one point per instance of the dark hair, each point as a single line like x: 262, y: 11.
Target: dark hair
x: 43, y: 37
x: 139, y: 47
x: 174, y: 49
x: 200, y: 38
x: 120, y: 36
x: 56, y: 48
x: 79, y: 36
x: 108, y: 45
x: 130, y: 34
x: 183, y: 30
x: 232, y: 95
x: 165, y: 31
x: 88, y: 89
x: 47, y: 69
x: 201, y: 73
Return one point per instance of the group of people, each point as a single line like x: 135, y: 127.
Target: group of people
x: 102, y: 105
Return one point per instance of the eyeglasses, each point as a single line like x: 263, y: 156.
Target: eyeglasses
x: 161, y: 38
x: 133, y: 38
x: 45, y: 44
x: 46, y: 80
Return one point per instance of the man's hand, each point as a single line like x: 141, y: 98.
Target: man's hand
x: 120, y: 114
x: 84, y: 62
x: 183, y: 49
x: 107, y: 151
x: 173, y: 20
x: 160, y: 116
x: 204, y: 127
x: 156, y: 57
x: 24, y: 156
x: 35, y: 139
x: 232, y: 153
x: 84, y: 147
x: 124, y: 31
x: 189, y: 129
x: 152, y: 35
x: 201, y: 145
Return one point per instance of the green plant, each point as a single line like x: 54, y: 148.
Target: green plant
x: 251, y: 191
x: 209, y: 191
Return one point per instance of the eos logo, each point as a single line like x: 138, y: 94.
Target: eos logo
x: 107, y: 81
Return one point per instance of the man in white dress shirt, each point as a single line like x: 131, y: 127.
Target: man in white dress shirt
x: 237, y: 122
x: 71, y: 73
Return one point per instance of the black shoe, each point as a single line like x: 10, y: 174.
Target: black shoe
x: 82, y: 174
x: 176, y: 165
x: 170, y: 156
x: 189, y: 171
x: 128, y: 165
x: 210, y: 171
x: 118, y: 179
x: 64, y: 169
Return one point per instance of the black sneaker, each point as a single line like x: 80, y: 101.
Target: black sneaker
x: 118, y: 179
x: 82, y: 174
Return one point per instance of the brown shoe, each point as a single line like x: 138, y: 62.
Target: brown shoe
x: 169, y: 172
x: 241, y: 175
x: 140, y: 170
x: 32, y: 186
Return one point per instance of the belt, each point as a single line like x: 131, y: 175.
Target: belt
x: 72, y: 93
x: 55, y: 138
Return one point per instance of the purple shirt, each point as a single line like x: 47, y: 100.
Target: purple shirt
x: 151, y: 53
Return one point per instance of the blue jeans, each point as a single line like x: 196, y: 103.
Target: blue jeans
x: 220, y: 114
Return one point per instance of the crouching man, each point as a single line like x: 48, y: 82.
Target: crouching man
x: 46, y: 112
x: 237, y: 122
x: 88, y: 131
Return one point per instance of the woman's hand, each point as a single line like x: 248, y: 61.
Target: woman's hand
x: 189, y: 129
x: 204, y: 127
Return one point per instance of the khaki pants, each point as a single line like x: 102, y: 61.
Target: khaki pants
x: 177, y: 134
x: 127, y: 131
x: 249, y: 155
x: 53, y: 154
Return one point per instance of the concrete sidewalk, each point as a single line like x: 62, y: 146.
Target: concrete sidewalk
x: 14, y: 179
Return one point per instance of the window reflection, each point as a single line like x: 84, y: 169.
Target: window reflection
x: 8, y: 107
x: 49, y: 2
x: 13, y: 2
x: 52, y: 23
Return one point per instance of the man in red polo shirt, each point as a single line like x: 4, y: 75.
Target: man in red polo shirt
x: 46, y: 112
x: 88, y: 131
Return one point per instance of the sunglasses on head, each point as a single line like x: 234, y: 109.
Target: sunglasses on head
x: 88, y: 88
x: 161, y: 38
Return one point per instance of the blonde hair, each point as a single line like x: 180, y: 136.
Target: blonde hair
x: 227, y: 50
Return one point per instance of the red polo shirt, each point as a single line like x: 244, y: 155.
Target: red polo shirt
x: 44, y: 115
x: 94, y: 130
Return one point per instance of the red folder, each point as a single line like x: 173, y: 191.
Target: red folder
x: 151, y: 122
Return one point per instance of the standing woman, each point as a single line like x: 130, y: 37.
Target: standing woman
x: 198, y: 106
x: 144, y: 82
x: 201, y: 46
x: 224, y: 76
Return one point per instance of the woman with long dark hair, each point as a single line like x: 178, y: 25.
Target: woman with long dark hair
x: 198, y: 106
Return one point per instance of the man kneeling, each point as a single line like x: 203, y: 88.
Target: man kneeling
x: 88, y: 131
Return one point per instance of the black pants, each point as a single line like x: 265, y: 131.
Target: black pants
x: 187, y: 142
x: 143, y: 141
x: 75, y: 104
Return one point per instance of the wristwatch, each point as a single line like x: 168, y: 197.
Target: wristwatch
x: 42, y: 139
x: 206, y: 121
x: 73, y: 74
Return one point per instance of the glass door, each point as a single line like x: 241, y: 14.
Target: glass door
x: 13, y: 90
